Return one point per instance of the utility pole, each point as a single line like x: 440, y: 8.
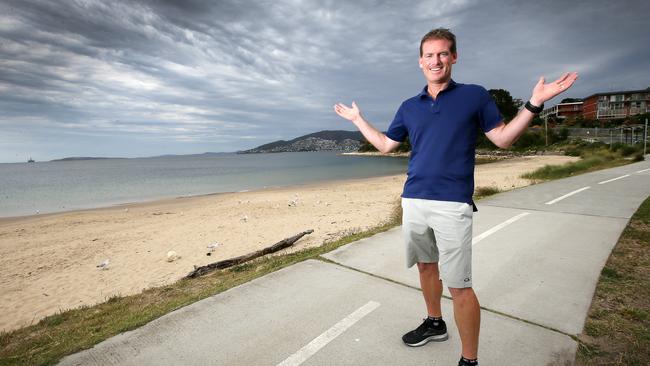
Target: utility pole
x: 645, y: 137
x: 621, y: 134
x: 546, y: 130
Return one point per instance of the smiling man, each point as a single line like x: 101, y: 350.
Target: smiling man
x: 441, y: 123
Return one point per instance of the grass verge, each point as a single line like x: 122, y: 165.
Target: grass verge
x: 617, y: 329
x: 592, y: 160
x: 481, y: 192
x: 74, y: 330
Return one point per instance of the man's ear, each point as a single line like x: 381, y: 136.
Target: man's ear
x: 454, y: 58
x: 420, y: 65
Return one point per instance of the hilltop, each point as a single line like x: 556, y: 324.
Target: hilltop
x: 318, y: 141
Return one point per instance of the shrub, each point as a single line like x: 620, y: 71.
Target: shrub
x: 628, y: 150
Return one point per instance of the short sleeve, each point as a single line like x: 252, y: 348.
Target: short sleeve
x: 397, y: 130
x: 489, y: 115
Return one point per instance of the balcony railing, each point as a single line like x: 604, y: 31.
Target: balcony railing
x: 610, y: 113
x: 634, y: 111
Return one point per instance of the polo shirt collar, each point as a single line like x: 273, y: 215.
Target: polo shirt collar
x: 425, y: 93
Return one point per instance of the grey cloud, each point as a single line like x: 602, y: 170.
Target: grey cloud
x: 191, y: 71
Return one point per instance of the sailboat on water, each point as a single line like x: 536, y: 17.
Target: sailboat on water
x: 30, y: 160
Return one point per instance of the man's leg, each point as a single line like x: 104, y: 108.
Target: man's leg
x: 421, y: 250
x: 467, y: 313
x: 431, y: 287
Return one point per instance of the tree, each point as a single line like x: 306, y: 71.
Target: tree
x: 368, y: 147
x: 507, y: 106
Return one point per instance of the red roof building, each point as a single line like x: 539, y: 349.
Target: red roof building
x: 562, y: 111
x: 612, y: 105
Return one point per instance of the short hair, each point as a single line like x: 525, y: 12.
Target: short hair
x: 440, y: 33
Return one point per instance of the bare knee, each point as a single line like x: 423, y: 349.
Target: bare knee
x: 428, y: 268
x: 462, y: 294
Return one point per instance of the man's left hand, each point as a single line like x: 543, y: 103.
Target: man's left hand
x: 543, y: 92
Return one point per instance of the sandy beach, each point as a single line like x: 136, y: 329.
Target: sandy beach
x: 49, y: 262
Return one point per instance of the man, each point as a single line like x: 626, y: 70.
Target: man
x: 437, y: 202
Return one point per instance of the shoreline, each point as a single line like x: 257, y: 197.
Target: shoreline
x: 162, y: 200
x: 49, y: 262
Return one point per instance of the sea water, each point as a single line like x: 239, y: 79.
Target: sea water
x: 45, y: 187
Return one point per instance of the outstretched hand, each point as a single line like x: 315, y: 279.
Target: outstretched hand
x: 349, y: 113
x: 543, y: 92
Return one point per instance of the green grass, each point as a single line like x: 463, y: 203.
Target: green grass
x: 617, y: 329
x: 74, y: 330
x: 592, y: 160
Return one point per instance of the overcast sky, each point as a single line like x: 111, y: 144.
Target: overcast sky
x: 142, y: 78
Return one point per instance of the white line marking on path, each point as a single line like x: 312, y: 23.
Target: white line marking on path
x: 611, y: 180
x: 644, y: 170
x: 567, y: 195
x: 484, y: 235
x: 329, y: 335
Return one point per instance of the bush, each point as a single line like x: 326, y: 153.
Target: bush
x: 574, y: 151
x: 530, y: 139
x: 628, y: 150
x: 617, y: 146
x: 563, y: 135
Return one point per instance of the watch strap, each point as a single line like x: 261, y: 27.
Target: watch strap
x: 534, y: 109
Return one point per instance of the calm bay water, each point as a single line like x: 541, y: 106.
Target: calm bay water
x: 45, y: 187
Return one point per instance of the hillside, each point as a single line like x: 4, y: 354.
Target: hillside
x: 319, y: 141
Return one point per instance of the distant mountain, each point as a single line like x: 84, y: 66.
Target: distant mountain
x: 319, y: 141
x: 186, y: 155
x: 75, y: 158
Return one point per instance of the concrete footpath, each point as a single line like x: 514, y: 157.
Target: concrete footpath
x: 538, y: 253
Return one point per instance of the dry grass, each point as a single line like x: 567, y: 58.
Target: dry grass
x: 617, y: 330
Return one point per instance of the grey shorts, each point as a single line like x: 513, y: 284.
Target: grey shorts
x: 439, y: 232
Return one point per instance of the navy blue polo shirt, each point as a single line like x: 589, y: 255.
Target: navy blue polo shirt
x: 443, y: 140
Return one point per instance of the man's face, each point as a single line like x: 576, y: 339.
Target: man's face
x: 436, y: 60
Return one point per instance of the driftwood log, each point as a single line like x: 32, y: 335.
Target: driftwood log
x: 285, y: 243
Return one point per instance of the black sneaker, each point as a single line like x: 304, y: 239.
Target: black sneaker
x: 464, y: 363
x: 430, y: 330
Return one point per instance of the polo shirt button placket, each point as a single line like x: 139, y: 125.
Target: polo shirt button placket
x: 434, y: 106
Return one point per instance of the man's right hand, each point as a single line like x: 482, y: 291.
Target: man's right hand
x: 375, y: 137
x: 350, y: 113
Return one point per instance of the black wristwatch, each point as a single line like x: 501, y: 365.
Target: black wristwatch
x: 534, y: 109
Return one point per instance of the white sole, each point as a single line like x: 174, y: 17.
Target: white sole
x: 436, y: 338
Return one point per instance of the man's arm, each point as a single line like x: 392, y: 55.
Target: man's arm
x: 504, y: 135
x: 378, y: 139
